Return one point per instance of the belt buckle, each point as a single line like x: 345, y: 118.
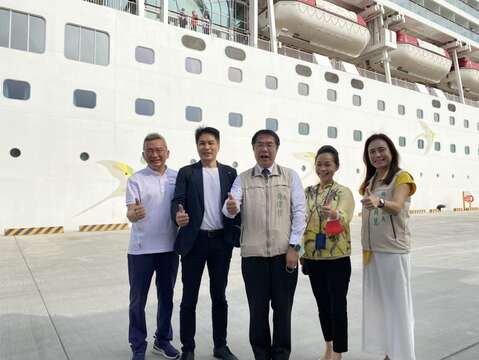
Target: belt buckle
x: 211, y: 234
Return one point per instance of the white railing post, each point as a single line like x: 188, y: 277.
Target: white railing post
x: 387, y: 68
x: 253, y: 23
x: 141, y: 8
x: 458, y: 76
x: 164, y: 11
x: 272, y: 27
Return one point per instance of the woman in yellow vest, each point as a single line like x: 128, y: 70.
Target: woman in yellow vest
x: 327, y: 250
x: 388, y: 320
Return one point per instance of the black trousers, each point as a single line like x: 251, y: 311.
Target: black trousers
x: 216, y: 254
x: 267, y: 281
x: 330, y: 281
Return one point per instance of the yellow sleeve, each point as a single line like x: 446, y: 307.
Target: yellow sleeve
x: 345, y: 206
x: 406, y: 178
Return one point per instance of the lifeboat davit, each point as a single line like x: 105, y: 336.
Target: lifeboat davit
x: 469, y: 71
x: 318, y: 26
x: 417, y: 60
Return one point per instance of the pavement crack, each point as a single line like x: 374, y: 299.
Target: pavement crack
x: 460, y: 351
x: 41, y: 297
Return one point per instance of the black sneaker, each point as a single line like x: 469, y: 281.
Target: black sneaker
x: 166, y: 350
x: 224, y: 353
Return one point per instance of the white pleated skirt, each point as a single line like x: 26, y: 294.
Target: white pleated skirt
x: 388, y: 318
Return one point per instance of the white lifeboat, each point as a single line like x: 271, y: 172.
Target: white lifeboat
x: 318, y: 26
x: 417, y: 60
x: 469, y: 71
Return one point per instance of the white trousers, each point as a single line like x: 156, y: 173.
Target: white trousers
x: 388, y: 318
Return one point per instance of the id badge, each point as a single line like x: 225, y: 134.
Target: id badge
x: 320, y: 241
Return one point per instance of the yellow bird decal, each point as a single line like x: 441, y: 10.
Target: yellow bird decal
x: 428, y: 134
x: 118, y: 170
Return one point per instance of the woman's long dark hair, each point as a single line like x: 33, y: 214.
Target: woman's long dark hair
x: 371, y: 170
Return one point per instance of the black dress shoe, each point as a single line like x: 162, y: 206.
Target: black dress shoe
x: 187, y: 355
x: 224, y: 353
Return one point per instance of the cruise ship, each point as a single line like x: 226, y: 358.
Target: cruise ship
x: 85, y: 80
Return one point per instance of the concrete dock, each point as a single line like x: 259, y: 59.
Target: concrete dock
x: 66, y: 297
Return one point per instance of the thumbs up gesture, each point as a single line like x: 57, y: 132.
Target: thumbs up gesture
x: 182, y: 218
x: 231, y: 205
x: 138, y: 211
x: 370, y: 201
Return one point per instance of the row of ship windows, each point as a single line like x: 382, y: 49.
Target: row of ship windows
x: 27, y: 32
x: 20, y: 90
x: 84, y: 156
x: 87, y: 99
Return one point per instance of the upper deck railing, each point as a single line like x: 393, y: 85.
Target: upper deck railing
x: 207, y: 27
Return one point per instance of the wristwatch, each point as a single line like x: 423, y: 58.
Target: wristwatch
x: 296, y: 247
x: 381, y: 203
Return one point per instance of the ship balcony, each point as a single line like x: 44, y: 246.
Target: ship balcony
x: 207, y: 27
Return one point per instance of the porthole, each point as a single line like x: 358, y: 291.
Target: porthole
x: 437, y: 118
x: 15, y: 152
x: 420, y: 174
x: 235, y: 74
x: 84, y: 156
x: 192, y: 161
x: 303, y: 168
x: 235, y: 53
x: 401, y: 109
x: 453, y: 176
x: 234, y: 164
x: 358, y: 171
x: 381, y: 105
x: 303, y: 70
x: 193, y: 42
x: 331, y: 95
x: 451, y: 107
x: 331, y: 77
x: 437, y: 175
x: 452, y: 120
x: 419, y: 113
x: 272, y: 124
x: 357, y: 84
x: 271, y: 82
x: 356, y: 100
x: 144, y: 55
x: 303, y: 89
x: 436, y: 104
x: 303, y: 128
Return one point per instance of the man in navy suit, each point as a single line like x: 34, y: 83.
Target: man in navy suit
x: 205, y: 237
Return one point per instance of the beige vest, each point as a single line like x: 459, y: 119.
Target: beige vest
x: 384, y: 232
x: 266, y: 215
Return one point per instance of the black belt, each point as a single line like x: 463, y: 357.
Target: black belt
x: 212, y: 233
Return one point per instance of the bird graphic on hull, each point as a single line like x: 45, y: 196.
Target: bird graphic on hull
x: 428, y: 134
x: 308, y: 157
x: 118, y: 170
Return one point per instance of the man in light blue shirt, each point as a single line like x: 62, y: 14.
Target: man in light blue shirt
x: 148, y: 198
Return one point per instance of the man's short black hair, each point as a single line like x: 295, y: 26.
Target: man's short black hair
x: 265, y: 132
x: 207, y: 130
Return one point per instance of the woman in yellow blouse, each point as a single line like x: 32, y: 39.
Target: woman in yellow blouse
x: 388, y: 319
x: 327, y: 250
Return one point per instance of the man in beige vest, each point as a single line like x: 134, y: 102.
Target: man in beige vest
x: 272, y: 205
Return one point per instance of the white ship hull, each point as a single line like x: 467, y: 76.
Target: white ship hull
x: 49, y: 185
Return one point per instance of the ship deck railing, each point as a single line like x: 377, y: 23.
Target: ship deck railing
x: 205, y: 26
x: 129, y: 6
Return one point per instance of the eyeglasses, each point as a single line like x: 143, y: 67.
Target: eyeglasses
x: 267, y: 145
x: 153, y: 151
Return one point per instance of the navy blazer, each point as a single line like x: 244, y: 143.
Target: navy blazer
x: 189, y: 193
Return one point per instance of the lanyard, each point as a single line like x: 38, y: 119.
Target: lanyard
x: 317, y: 208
